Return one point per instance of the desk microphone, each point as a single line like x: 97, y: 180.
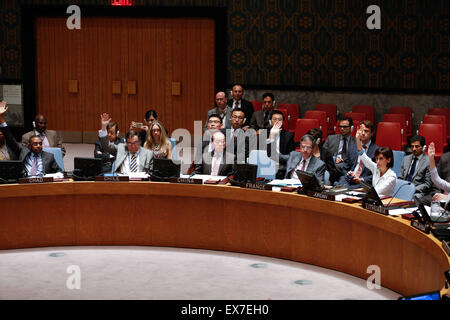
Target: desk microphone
x: 407, y: 184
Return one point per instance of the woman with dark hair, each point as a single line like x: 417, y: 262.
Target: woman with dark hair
x: 317, y: 134
x: 158, y: 142
x: 384, y: 178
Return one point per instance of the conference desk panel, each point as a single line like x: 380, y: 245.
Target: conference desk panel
x: 333, y: 235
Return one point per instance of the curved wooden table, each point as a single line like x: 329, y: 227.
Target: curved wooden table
x: 333, y: 235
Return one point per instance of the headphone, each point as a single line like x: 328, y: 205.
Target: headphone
x: 34, y: 125
x: 318, y: 141
x: 424, y: 148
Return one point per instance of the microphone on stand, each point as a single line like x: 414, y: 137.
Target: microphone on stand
x: 407, y: 184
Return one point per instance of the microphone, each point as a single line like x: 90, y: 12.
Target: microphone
x: 407, y: 184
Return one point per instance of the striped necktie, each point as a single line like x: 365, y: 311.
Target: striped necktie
x: 133, y: 163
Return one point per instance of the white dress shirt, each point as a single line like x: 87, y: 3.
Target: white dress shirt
x: 384, y: 185
x: 299, y: 167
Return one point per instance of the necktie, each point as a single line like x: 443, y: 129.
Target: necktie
x: 133, y: 163
x: 303, y: 165
x: 215, y: 168
x: 45, y: 143
x: 344, y: 147
x: 361, y: 164
x: 34, y: 166
x: 413, y: 168
x: 237, y: 104
x: 266, y: 116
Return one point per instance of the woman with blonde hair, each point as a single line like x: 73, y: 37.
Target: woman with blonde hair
x: 158, y: 142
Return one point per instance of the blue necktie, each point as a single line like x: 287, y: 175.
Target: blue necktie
x: 413, y: 168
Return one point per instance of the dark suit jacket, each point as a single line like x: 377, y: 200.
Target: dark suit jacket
x: 257, y: 121
x: 100, y: 153
x: 287, y: 145
x: 366, y: 174
x: 48, y: 160
x: 205, y: 166
x: 330, y: 149
x: 247, y: 107
x: 215, y: 111
x: 315, y: 166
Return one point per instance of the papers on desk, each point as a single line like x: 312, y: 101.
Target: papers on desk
x: 56, y: 176
x: 135, y: 175
x: 204, y: 177
x: 400, y: 211
x: 285, y: 182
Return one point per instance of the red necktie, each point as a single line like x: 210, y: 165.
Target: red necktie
x: 304, y: 164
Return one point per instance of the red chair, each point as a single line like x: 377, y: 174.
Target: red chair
x: 355, y: 127
x: 322, y: 117
x: 389, y: 135
x: 257, y: 105
x: 359, y: 116
x: 302, y: 127
x: 368, y: 110
x: 400, y: 118
x: 293, y: 110
x: 438, y: 119
x: 285, y: 122
x: 444, y: 112
x: 432, y: 133
x: 331, y: 110
x: 407, y: 111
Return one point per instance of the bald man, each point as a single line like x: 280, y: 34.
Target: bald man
x: 50, y: 138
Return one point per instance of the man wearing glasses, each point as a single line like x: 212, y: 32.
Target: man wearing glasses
x: 130, y: 156
x: 305, y: 161
x: 335, y: 150
x: 222, y: 110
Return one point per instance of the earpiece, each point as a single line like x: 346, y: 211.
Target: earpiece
x: 118, y: 132
x: 351, y: 129
x: 34, y: 125
x: 245, y: 119
x: 270, y: 122
x: 424, y: 148
x: 318, y: 141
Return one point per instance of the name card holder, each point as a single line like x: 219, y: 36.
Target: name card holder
x: 320, y: 195
x: 446, y: 246
x: 186, y: 180
x: 424, y: 227
x: 257, y: 186
x: 35, y: 180
x: 374, y: 208
x: 112, y: 178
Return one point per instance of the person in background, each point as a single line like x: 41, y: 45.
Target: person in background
x: 149, y: 117
x: 238, y: 102
x: 157, y: 141
x: 99, y: 152
x: 50, y: 138
x: 317, y: 134
x: 222, y: 110
x: 437, y: 180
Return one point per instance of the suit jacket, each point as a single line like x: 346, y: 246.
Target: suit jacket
x: 444, y: 166
x: 100, y: 153
x: 330, y: 150
x: 48, y: 160
x: 242, y: 145
x: 281, y: 156
x: 54, y: 139
x: 421, y: 177
x: 205, y: 166
x: 216, y: 111
x: 257, y: 121
x: 366, y: 174
x: 247, y: 107
x: 121, y: 152
x: 315, y: 166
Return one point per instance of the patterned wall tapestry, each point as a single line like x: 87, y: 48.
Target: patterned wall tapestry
x: 305, y: 43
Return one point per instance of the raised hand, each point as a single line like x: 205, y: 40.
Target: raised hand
x: 105, y: 118
x: 3, y: 108
x: 358, y: 139
x: 431, y: 153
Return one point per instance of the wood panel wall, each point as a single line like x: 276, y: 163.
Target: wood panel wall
x: 152, y: 53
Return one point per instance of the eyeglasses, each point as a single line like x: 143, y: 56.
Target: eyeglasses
x: 344, y: 126
x: 306, y: 147
x: 236, y: 117
x: 133, y: 143
x: 213, y: 121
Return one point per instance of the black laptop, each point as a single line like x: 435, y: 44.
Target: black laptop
x: 11, y: 171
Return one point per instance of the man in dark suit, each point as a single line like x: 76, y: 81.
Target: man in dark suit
x: 215, y: 162
x: 358, y: 172
x: 222, y: 110
x: 36, y: 162
x: 305, y: 161
x: 50, y: 138
x: 280, y: 143
x: 100, y: 153
x: 260, y: 119
x: 334, y: 151
x: 238, y: 102
x: 416, y: 167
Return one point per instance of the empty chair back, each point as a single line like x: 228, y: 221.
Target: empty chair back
x: 359, y: 116
x: 368, y: 110
x: 404, y: 190
x: 322, y: 117
x: 432, y: 132
x: 303, y: 126
x: 444, y: 112
x: 398, y: 158
x: 331, y: 111
x: 266, y: 166
x: 400, y: 118
x: 285, y: 122
x: 438, y: 119
x: 57, y: 153
x: 389, y: 135
x: 293, y: 110
x: 407, y: 111
x: 257, y: 105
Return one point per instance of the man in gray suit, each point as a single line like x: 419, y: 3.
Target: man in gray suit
x: 260, y: 119
x: 222, y: 110
x: 416, y: 167
x: 305, y: 161
x: 36, y: 162
x: 130, y: 156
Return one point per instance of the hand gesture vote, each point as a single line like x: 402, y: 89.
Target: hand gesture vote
x: 3, y: 108
x: 431, y: 150
x: 105, y: 119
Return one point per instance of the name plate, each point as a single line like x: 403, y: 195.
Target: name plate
x: 256, y: 186
x: 112, y: 178
x: 446, y: 247
x: 424, y: 227
x: 186, y: 180
x: 376, y: 209
x: 320, y: 195
x: 35, y: 180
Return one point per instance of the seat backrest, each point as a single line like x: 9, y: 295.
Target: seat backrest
x: 368, y: 110
x: 360, y: 116
x: 399, y: 118
x: 293, y: 110
x: 389, y: 135
x: 331, y: 111
x: 303, y: 126
x: 326, y: 178
x: 404, y: 190
x: 432, y: 132
x: 266, y: 166
x: 428, y: 118
x: 407, y: 111
x: 398, y: 158
x: 257, y: 105
x: 174, y: 148
x: 57, y: 153
x: 285, y: 122
x: 442, y: 111
x: 322, y: 117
